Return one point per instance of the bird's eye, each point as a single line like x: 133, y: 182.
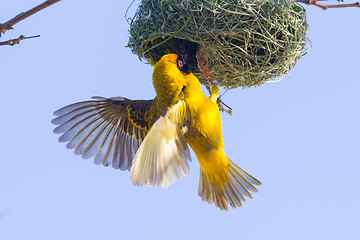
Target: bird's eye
x: 181, y: 64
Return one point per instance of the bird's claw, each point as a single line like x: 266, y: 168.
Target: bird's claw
x: 206, y: 71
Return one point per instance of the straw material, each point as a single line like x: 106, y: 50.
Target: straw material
x: 245, y: 42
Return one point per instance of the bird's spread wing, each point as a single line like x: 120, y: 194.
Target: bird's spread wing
x: 108, y: 129
x: 164, y: 153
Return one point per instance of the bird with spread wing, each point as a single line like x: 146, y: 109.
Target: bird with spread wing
x: 151, y: 137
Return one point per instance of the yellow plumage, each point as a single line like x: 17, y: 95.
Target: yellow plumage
x: 151, y: 137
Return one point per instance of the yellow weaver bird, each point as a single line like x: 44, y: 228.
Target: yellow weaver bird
x: 151, y: 137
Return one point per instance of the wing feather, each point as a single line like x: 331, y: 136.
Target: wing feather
x: 164, y: 153
x: 64, y: 111
x: 108, y: 129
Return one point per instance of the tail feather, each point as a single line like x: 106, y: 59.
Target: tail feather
x: 233, y: 191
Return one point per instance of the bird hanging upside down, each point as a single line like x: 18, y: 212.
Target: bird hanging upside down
x: 151, y: 137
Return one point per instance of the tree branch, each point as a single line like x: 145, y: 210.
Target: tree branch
x: 12, y: 42
x: 325, y: 6
x: 8, y: 25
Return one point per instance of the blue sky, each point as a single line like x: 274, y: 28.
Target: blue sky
x: 299, y: 136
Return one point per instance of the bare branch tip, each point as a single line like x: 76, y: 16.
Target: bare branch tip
x: 15, y: 41
x: 325, y: 7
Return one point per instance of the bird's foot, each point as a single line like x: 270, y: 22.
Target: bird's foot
x: 206, y: 71
x: 222, y: 105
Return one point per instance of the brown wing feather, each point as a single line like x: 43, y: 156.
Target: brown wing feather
x: 108, y: 129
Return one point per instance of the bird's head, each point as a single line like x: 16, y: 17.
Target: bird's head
x: 182, y: 63
x: 171, y: 74
x: 175, y: 63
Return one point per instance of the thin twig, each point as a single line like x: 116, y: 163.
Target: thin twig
x: 8, y: 25
x: 325, y: 6
x: 15, y: 41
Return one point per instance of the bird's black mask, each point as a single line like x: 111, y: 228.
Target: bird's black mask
x: 183, y: 63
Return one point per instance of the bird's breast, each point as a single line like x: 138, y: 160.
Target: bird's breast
x: 205, y: 130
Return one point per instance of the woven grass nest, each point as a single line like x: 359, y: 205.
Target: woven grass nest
x: 245, y: 42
